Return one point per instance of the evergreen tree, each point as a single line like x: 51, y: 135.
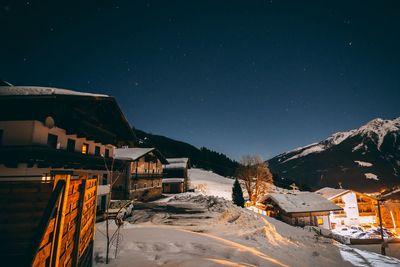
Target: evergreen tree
x: 237, y: 194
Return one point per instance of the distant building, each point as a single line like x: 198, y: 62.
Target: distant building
x: 141, y: 179
x: 54, y: 148
x: 390, y: 208
x: 175, y: 178
x: 299, y: 208
x: 358, y: 208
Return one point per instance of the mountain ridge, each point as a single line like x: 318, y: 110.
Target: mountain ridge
x: 366, y: 159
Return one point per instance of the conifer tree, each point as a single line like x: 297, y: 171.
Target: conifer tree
x: 237, y: 194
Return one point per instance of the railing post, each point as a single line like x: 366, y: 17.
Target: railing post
x: 77, y: 237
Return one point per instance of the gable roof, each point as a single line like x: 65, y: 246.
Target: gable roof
x: 93, y: 116
x: 331, y: 193
x: 134, y: 153
x: 299, y: 202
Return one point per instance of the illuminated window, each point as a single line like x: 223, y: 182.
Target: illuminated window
x: 320, y: 221
x: 85, y: 149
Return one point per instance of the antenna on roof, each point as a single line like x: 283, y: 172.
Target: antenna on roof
x: 294, y: 187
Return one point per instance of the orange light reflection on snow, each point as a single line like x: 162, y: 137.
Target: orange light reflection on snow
x: 240, y: 247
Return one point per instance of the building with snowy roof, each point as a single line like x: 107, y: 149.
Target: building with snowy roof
x: 299, y: 208
x: 176, y: 175
x: 141, y: 178
x: 55, y: 146
x: 358, y: 208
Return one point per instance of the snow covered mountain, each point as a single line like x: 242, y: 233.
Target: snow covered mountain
x: 365, y: 159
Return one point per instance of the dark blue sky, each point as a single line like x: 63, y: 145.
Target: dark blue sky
x: 238, y: 77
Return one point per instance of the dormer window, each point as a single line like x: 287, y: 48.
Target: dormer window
x: 85, y: 149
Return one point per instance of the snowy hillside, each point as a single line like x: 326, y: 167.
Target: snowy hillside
x: 366, y: 159
x: 210, y: 183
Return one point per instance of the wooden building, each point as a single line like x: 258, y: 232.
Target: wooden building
x: 299, y: 208
x: 176, y: 179
x: 54, y: 148
x: 358, y: 208
x: 141, y: 178
x: 390, y: 209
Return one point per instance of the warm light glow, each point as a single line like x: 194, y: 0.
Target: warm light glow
x: 46, y: 178
x: 394, y: 222
x: 85, y: 148
x: 240, y: 247
x: 230, y: 263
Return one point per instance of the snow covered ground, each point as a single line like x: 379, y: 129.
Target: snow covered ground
x: 193, y: 229
x: 197, y: 230
x: 210, y: 183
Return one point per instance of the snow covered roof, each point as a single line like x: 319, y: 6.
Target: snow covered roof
x: 93, y: 116
x: 331, y: 193
x: 393, y: 195
x: 177, y: 163
x: 172, y: 180
x: 41, y: 91
x: 178, y: 160
x: 135, y: 153
x: 298, y: 202
x: 5, y: 83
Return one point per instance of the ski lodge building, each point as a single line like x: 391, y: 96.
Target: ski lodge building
x: 175, y: 178
x: 141, y: 178
x: 55, y: 146
x: 358, y: 209
x: 299, y: 208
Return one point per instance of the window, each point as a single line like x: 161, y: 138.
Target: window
x: 134, y: 186
x: 71, y: 145
x: 52, y: 140
x: 104, y: 182
x: 145, y: 185
x: 320, y: 221
x: 107, y: 153
x: 97, y: 151
x: 1, y: 137
x: 85, y: 149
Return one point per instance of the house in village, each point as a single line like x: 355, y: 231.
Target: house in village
x: 55, y: 145
x: 299, y: 208
x: 390, y: 208
x: 358, y: 209
x: 175, y: 178
x: 141, y: 178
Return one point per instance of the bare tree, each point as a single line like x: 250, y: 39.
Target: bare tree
x: 256, y: 176
x: 113, y: 178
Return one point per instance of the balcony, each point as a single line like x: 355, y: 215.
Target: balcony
x: 146, y: 176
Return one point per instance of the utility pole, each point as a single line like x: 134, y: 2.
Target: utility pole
x: 383, y: 252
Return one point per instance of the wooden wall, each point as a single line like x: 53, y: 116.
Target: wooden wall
x: 71, y: 230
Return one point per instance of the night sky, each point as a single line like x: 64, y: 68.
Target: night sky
x: 238, y: 77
